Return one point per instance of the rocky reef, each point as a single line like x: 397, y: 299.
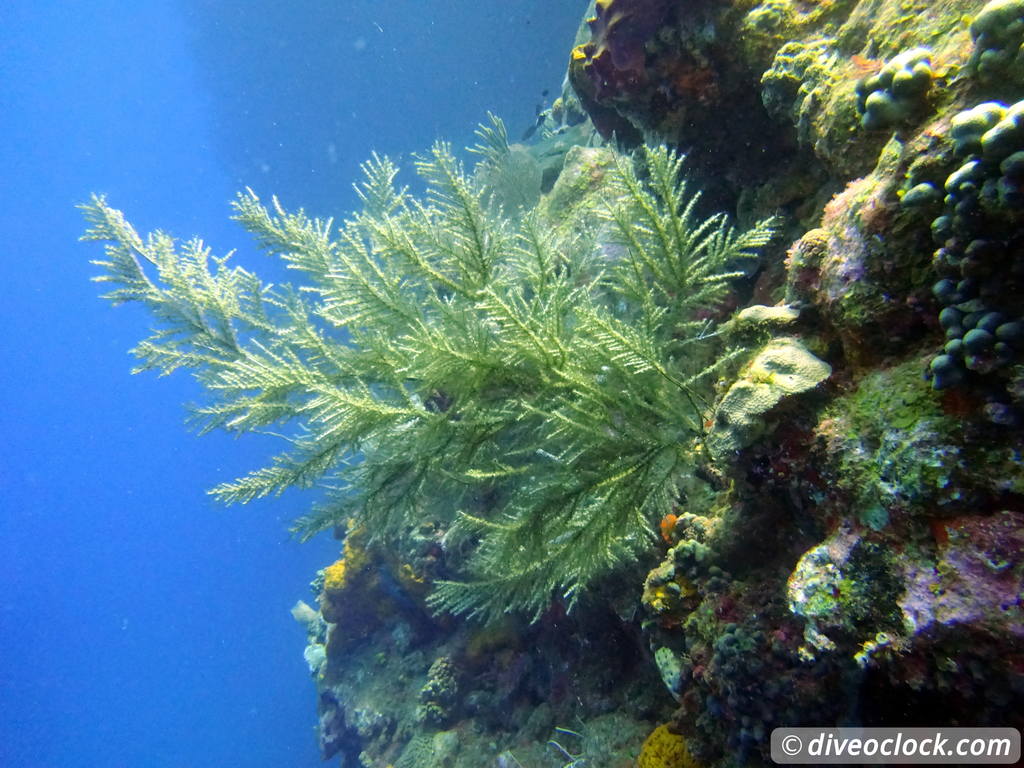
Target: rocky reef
x: 851, y: 549
x: 415, y: 690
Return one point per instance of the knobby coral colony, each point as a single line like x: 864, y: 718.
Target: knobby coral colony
x: 528, y: 387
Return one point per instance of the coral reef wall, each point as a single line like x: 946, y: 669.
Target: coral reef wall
x: 854, y: 551
x: 866, y: 564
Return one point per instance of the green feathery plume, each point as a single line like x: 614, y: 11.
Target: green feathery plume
x: 540, y: 394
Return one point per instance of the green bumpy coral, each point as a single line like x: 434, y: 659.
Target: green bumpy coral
x: 998, y: 34
x: 897, y: 91
x: 536, y: 389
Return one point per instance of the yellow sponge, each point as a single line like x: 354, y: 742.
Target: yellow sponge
x: 664, y: 749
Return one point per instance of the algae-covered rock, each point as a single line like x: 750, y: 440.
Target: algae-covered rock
x: 612, y: 739
x: 896, y: 452
x: 977, y: 580
x: 580, y: 185
x: 782, y: 368
x: 844, y: 589
x: 798, y: 81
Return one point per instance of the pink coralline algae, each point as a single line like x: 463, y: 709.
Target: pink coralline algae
x: 976, y: 580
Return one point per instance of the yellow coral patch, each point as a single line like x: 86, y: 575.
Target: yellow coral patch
x: 664, y: 598
x: 664, y: 749
x: 412, y: 582
x: 339, y: 575
x: 661, y: 599
x: 336, y: 576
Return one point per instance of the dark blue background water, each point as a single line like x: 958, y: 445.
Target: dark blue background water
x: 140, y: 625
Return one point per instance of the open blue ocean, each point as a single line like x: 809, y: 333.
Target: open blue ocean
x: 140, y: 624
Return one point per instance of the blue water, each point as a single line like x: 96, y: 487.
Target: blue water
x: 140, y: 625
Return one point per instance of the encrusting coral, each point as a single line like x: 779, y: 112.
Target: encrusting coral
x: 781, y: 369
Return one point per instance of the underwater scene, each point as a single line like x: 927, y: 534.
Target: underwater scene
x: 632, y: 384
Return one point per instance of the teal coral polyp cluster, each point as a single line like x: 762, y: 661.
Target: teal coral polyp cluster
x: 980, y: 249
x: 896, y: 92
x: 998, y: 34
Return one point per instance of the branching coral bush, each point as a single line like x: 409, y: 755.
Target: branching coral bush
x: 538, y: 393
